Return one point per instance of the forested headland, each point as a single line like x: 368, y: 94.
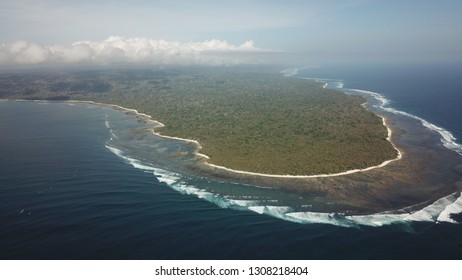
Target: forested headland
x: 244, y: 118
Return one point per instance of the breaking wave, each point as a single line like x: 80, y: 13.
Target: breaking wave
x: 289, y: 72
x: 181, y: 184
x: 439, y: 211
x: 448, y: 140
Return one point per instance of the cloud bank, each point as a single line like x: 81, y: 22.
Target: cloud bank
x: 132, y: 50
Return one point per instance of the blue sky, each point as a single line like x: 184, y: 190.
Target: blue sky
x: 349, y: 30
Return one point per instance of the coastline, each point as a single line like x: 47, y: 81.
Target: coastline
x: 243, y: 172
x: 198, y: 146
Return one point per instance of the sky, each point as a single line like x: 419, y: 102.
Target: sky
x: 36, y: 32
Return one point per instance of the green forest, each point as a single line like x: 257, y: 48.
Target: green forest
x: 245, y: 118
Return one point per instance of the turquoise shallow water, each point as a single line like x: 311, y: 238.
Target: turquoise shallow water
x: 76, y: 184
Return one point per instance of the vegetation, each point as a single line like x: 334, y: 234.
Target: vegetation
x: 244, y: 118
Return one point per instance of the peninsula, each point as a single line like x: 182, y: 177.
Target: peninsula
x: 244, y: 118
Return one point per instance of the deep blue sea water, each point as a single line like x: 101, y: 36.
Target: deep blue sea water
x: 73, y: 185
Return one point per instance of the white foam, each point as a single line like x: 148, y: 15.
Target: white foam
x: 328, y: 82
x: 376, y: 220
x: 439, y: 211
x: 116, y: 151
x: 169, y: 180
x: 448, y: 140
x: 289, y: 72
x: 314, y: 218
x: 274, y: 211
x: 108, y: 126
x: 383, y: 101
x: 163, y: 176
x: 277, y: 211
x: 191, y: 190
x: 134, y: 162
x: 177, y: 182
x: 294, y: 71
x: 138, y: 165
x: 257, y: 209
x: 431, y: 212
x: 243, y: 203
x: 454, y: 208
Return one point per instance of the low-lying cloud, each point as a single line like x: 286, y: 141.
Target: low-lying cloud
x: 132, y: 50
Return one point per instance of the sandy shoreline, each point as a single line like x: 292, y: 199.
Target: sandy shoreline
x: 240, y: 172
x: 243, y: 172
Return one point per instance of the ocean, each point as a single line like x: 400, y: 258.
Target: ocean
x: 83, y: 181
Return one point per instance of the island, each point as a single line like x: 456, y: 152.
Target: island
x: 284, y: 140
x: 243, y: 118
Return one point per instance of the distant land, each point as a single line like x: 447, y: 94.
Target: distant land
x: 244, y: 118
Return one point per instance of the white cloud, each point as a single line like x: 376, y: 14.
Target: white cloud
x: 131, y: 50
x: 21, y: 52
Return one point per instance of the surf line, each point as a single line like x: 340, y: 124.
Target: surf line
x: 243, y: 172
